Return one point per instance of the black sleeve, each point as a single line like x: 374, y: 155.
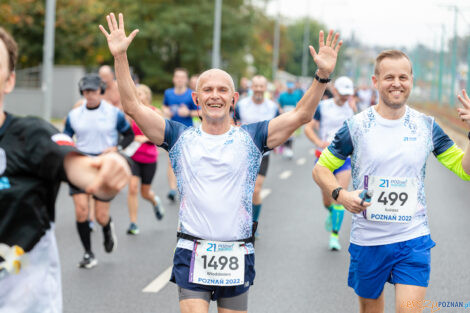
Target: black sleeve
x: 46, y: 149
x: 127, y: 138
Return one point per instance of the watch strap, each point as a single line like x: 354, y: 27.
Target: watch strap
x: 322, y: 80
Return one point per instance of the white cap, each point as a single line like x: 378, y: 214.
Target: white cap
x: 344, y: 85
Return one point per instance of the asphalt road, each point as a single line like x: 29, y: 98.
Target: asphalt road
x: 295, y: 270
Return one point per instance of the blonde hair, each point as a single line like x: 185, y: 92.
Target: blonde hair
x: 390, y: 54
x: 147, y: 92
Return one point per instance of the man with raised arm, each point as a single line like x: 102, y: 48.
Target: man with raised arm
x: 389, y: 144
x: 216, y: 166
x: 34, y: 159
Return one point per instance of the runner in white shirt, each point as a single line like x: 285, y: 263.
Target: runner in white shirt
x: 328, y: 119
x: 254, y: 109
x: 389, y: 144
x: 216, y: 166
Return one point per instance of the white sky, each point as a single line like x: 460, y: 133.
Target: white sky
x: 392, y: 23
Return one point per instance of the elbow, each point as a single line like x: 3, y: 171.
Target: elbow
x: 305, y: 117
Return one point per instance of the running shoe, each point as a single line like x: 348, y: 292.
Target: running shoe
x: 288, y: 153
x: 110, y: 239
x: 329, y: 223
x: 334, y: 243
x: 172, y: 195
x: 133, y: 229
x: 88, y: 261
x: 158, y: 208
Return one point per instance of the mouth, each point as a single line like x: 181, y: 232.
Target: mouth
x: 215, y: 105
x: 396, y: 92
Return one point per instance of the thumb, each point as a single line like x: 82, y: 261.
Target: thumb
x: 95, y: 184
x: 133, y: 34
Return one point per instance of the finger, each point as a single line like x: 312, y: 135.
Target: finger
x: 338, y: 46
x: 321, y: 39
x: 335, y: 40
x: 103, y: 30
x: 113, y: 20
x: 96, y: 184
x: 121, y: 21
x: 110, y: 24
x: 133, y: 34
x: 329, y: 37
x: 465, y: 102
x: 464, y: 93
x: 313, y: 53
x: 465, y: 117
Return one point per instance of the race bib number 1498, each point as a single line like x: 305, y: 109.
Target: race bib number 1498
x: 394, y: 199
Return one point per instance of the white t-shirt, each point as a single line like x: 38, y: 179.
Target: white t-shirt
x: 37, y: 287
x: 247, y: 111
x: 389, y: 148
x: 216, y: 177
x: 331, y: 117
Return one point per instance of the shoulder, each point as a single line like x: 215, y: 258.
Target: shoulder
x: 31, y: 126
x: 169, y: 91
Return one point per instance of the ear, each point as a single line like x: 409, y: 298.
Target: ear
x: 194, y: 96
x: 374, y: 81
x: 235, y: 98
x: 10, y: 83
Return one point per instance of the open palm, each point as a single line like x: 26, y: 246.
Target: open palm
x: 118, y: 42
x: 464, y: 113
x: 327, y: 52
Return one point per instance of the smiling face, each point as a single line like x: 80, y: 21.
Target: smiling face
x: 215, y: 95
x: 394, y: 81
x: 259, y: 85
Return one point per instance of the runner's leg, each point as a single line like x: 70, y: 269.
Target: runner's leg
x: 132, y: 198
x: 372, y: 305
x: 409, y: 293
x: 194, y: 306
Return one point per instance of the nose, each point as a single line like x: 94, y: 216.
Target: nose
x: 396, y: 82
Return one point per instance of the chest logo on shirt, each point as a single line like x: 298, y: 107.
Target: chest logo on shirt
x: 3, y: 161
x: 409, y: 138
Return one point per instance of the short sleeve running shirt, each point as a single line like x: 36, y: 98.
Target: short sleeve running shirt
x: 173, y: 101
x: 216, y: 177
x: 96, y: 129
x: 393, y: 148
x: 247, y: 111
x: 331, y: 117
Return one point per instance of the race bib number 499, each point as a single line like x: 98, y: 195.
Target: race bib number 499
x: 394, y: 199
x: 216, y: 263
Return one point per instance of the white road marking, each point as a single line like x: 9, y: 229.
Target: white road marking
x: 264, y: 193
x: 285, y: 174
x: 158, y: 283
x: 312, y: 151
x: 301, y: 161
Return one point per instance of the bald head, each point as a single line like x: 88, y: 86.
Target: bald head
x: 106, y: 73
x: 215, y: 72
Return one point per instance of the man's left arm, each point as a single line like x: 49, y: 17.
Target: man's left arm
x: 283, y: 126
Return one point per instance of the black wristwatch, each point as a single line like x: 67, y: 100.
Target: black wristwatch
x: 322, y: 80
x: 468, y: 135
x: 335, y: 193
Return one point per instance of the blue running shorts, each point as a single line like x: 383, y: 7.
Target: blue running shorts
x: 180, y: 276
x: 407, y: 262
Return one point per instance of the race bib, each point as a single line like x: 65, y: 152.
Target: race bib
x: 216, y: 263
x: 394, y: 199
x: 132, y: 148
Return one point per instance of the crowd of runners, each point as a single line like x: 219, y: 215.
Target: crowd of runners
x: 219, y: 139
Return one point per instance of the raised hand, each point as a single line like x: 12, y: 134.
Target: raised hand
x: 118, y: 42
x: 464, y: 113
x: 327, y: 53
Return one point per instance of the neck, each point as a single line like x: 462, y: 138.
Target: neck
x: 215, y: 127
x: 257, y: 100
x: 3, y: 116
x: 338, y: 101
x: 390, y: 113
x: 180, y: 90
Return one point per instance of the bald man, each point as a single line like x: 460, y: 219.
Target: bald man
x: 111, y: 93
x: 216, y: 165
x: 251, y: 110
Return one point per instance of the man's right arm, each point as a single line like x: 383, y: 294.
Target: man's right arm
x: 151, y: 124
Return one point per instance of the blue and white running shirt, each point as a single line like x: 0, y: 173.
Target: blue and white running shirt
x: 247, y: 111
x: 216, y: 177
x: 393, y: 148
x: 331, y: 117
x: 96, y: 129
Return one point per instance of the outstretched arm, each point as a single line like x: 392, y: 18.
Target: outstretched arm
x: 282, y: 127
x: 464, y: 114
x: 151, y: 124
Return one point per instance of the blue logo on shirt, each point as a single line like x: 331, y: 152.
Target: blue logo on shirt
x: 409, y: 138
x: 4, y: 183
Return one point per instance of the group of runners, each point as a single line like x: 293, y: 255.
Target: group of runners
x: 217, y: 170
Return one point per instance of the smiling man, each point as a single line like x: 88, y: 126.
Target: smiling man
x: 216, y: 166
x: 389, y: 144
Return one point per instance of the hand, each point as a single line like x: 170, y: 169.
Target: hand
x: 464, y: 113
x: 351, y: 201
x: 324, y: 144
x: 183, y: 111
x: 327, y: 54
x: 110, y: 149
x: 140, y: 139
x: 113, y: 175
x: 118, y: 42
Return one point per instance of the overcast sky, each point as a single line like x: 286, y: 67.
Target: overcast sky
x: 392, y: 24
